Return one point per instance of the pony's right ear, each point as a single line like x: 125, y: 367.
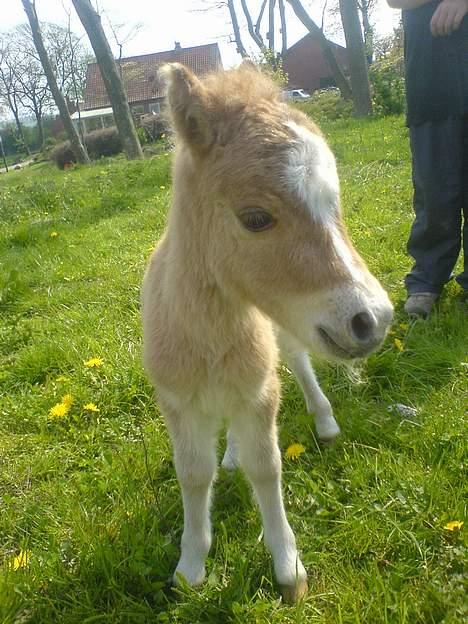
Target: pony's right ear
x: 188, y: 104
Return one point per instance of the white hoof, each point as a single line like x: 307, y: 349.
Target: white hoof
x: 327, y: 430
x: 293, y: 593
x: 190, y: 573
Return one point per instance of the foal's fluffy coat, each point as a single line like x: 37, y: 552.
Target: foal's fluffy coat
x: 255, y: 257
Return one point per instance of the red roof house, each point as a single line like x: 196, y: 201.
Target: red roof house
x: 306, y: 67
x: 144, y: 89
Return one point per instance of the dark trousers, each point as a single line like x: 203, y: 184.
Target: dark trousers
x: 440, y: 182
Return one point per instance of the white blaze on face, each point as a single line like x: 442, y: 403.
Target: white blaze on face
x: 311, y: 174
x: 312, y: 177
x: 344, y: 253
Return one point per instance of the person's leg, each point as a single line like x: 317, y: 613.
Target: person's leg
x: 462, y: 279
x: 435, y: 237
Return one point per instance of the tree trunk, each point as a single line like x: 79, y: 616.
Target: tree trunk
x: 284, y: 33
x: 235, y: 25
x: 271, y: 25
x: 111, y: 77
x: 14, y: 109
x: 19, y: 127
x: 75, y: 143
x: 357, y: 58
x: 368, y: 32
x: 40, y: 126
x: 326, y: 48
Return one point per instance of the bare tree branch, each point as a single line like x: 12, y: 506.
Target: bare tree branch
x: 235, y: 25
x: 255, y: 36
x: 75, y: 143
x: 8, y: 89
x: 258, y: 23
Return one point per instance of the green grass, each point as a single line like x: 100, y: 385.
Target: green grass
x: 93, y: 497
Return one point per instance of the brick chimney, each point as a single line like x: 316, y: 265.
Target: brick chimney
x: 177, y: 45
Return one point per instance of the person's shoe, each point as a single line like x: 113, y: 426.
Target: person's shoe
x: 420, y: 304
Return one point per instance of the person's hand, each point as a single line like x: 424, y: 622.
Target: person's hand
x: 448, y: 16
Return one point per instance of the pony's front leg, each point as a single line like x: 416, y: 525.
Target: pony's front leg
x: 317, y: 403
x: 194, y: 441
x: 260, y: 457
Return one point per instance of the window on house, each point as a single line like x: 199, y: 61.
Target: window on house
x: 155, y: 108
x: 139, y: 109
x: 93, y: 123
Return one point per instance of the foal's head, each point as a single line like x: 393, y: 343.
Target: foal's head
x: 264, y: 187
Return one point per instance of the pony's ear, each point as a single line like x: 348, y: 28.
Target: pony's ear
x: 188, y: 105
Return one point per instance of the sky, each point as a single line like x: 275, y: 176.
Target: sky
x: 155, y: 25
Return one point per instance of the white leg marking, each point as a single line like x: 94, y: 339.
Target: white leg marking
x: 194, y: 441
x: 316, y: 401
x: 231, y: 455
x: 260, y: 458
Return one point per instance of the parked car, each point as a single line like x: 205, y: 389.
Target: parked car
x: 298, y: 95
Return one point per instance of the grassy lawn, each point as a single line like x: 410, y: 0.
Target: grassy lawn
x: 90, y: 511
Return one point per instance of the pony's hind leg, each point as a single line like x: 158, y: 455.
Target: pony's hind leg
x: 260, y: 458
x: 194, y: 442
x: 231, y: 454
x: 317, y: 403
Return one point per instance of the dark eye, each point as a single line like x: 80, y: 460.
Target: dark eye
x: 257, y: 220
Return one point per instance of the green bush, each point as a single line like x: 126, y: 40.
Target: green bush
x: 326, y: 104
x: 153, y: 127
x: 62, y: 155
x: 105, y: 142
x: 387, y: 76
x: 142, y: 136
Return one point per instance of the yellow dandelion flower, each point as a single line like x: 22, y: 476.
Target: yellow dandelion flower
x: 294, y: 451
x: 94, y: 362
x: 53, y: 234
x: 398, y: 344
x: 91, y: 407
x: 404, y: 326
x: 21, y: 560
x: 60, y: 410
x: 67, y: 400
x: 454, y: 525
x: 162, y: 187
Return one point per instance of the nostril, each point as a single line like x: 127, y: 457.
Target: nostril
x: 363, y: 326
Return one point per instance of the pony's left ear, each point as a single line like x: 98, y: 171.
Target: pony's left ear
x: 188, y: 104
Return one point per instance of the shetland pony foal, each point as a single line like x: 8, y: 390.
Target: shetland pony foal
x: 254, y: 241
